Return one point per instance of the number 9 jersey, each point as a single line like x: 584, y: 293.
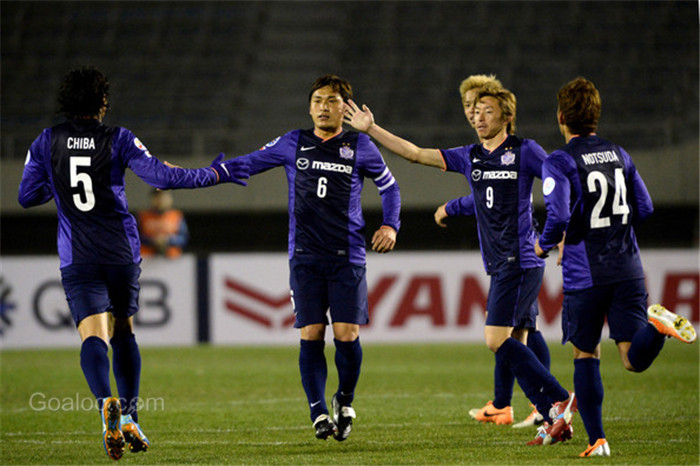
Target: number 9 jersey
x: 593, y: 192
x: 501, y: 185
x: 81, y: 164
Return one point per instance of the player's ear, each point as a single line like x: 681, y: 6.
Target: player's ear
x: 560, y: 117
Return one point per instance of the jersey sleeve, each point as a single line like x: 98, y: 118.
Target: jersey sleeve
x: 154, y: 172
x: 273, y: 154
x: 457, y: 159
x: 35, y: 186
x: 374, y: 167
x: 637, y: 195
x: 536, y: 155
x: 461, y: 206
x: 556, y: 187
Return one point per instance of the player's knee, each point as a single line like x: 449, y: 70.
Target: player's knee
x: 123, y: 326
x: 628, y: 366
x: 494, y: 343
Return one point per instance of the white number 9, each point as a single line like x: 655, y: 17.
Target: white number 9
x: 489, y: 197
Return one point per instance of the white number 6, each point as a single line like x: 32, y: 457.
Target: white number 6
x: 322, y: 187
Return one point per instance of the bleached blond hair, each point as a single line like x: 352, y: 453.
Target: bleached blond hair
x: 479, y: 81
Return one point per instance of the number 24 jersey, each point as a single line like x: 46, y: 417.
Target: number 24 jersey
x: 593, y: 192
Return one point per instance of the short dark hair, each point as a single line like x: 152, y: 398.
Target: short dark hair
x: 580, y: 104
x: 336, y: 83
x: 83, y: 92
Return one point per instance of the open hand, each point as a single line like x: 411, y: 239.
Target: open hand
x: 361, y: 120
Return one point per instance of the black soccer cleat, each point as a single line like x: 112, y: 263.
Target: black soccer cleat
x: 324, y: 427
x: 342, y: 417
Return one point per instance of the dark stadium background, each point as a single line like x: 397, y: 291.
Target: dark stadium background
x: 192, y: 79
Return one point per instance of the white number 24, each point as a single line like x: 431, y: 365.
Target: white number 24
x: 597, y: 181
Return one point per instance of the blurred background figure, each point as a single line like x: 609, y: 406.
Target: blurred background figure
x: 162, y: 228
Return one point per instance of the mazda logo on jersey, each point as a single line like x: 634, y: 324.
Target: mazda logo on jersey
x: 476, y: 175
x: 302, y: 163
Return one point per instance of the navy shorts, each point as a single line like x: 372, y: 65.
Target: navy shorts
x: 512, y: 300
x: 624, y: 304
x: 319, y: 285
x: 94, y: 289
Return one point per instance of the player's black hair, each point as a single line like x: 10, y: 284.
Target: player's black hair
x: 82, y: 93
x: 336, y: 83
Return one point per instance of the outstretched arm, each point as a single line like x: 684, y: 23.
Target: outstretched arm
x: 363, y: 120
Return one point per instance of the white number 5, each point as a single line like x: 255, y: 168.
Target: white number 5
x: 77, y: 179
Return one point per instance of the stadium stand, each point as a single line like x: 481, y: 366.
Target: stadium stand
x: 194, y: 75
x: 193, y: 78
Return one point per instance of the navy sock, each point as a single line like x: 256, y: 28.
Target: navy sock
x: 95, y: 365
x: 646, y: 346
x: 540, y: 387
x: 503, y: 381
x: 348, y: 360
x: 535, y: 341
x: 314, y: 371
x: 126, y: 365
x: 589, y: 392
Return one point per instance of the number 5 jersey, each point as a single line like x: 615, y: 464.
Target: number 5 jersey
x: 81, y: 164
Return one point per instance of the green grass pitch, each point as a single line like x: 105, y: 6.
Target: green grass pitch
x: 245, y: 405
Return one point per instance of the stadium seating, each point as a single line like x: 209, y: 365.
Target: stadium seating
x: 200, y: 77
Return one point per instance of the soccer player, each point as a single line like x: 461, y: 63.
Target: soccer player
x: 80, y: 164
x: 500, y: 171
x: 594, y: 196
x: 499, y: 410
x: 325, y: 169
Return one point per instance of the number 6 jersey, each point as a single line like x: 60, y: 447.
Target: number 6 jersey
x: 593, y: 192
x: 81, y: 164
x: 325, y: 179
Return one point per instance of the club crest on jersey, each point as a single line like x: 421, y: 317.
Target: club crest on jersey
x: 271, y: 143
x: 140, y: 145
x: 508, y: 158
x: 346, y: 153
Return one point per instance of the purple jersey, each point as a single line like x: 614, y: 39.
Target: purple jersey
x: 81, y: 164
x: 325, y: 179
x: 593, y: 192
x: 501, y: 199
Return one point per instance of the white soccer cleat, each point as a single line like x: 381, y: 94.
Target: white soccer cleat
x: 599, y: 448
x: 534, y: 419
